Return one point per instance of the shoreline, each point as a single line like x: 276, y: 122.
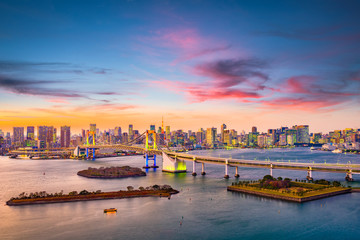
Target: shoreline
x: 93, y: 196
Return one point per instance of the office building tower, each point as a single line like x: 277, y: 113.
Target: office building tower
x: 131, y: 132
x: 18, y: 136
x: 30, y: 133
x: 302, y: 134
x: 223, y: 127
x: 117, y: 132
x: 65, y: 136
x: 211, y: 136
x: 254, y: 129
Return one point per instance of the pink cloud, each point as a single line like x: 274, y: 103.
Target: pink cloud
x: 183, y: 38
x: 298, y: 84
x: 58, y: 100
x: 196, y: 92
x: 185, y: 43
x: 113, y: 107
x: 302, y: 104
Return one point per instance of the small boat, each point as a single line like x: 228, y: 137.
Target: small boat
x: 110, y: 210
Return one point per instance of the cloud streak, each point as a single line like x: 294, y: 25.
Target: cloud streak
x: 35, y: 88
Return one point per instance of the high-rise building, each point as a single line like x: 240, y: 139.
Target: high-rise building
x: 42, y: 130
x: 302, y: 134
x: 125, y: 137
x: 117, y: 131
x: 282, y: 140
x: 30, y: 133
x: 131, y: 132
x: 211, y: 136
x: 254, y: 129
x: 93, y: 127
x: 18, y: 136
x: 227, y: 138
x: 83, y: 133
x: 8, y: 138
x: 261, y: 140
x: 290, y: 136
x: 49, y: 136
x: 168, y: 133
x: 152, y: 127
x: 65, y: 136
x: 223, y: 127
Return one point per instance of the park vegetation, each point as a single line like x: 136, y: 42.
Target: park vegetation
x: 112, y: 172
x: 297, y: 188
x: 44, y: 197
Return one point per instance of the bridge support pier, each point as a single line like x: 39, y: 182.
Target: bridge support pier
x: 271, y: 170
x: 203, y: 169
x: 146, y: 161
x: 194, y: 170
x: 173, y: 165
x: 309, y: 174
x: 226, y: 176
x: 349, y: 177
x: 237, y: 172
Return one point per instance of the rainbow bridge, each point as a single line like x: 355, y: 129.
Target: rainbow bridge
x: 174, y: 162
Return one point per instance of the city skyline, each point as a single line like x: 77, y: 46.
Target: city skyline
x: 155, y: 127
x: 198, y: 64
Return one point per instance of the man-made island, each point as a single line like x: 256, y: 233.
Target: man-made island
x: 43, y: 197
x: 295, y: 191
x: 112, y: 172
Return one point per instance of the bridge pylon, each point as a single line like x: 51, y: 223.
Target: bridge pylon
x: 147, y: 156
x: 88, y: 135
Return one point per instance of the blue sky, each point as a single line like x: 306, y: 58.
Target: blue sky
x: 197, y: 63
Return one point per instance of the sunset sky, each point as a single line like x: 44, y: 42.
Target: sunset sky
x: 196, y: 63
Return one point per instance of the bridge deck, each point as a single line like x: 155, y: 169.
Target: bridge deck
x: 267, y: 164
x: 355, y: 168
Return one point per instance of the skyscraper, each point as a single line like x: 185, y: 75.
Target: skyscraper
x: 93, y: 127
x: 168, y: 133
x: 49, y: 136
x: 30, y: 133
x: 302, y: 134
x: 223, y: 127
x: 152, y: 127
x: 211, y: 136
x: 18, y: 136
x: 117, y: 131
x: 254, y: 129
x: 42, y: 130
x: 65, y: 136
x: 131, y: 132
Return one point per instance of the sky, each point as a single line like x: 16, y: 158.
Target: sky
x: 194, y: 63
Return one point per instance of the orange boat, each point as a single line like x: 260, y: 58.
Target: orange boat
x: 110, y: 210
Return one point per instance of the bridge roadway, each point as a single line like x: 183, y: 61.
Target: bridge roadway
x: 322, y: 167
x: 43, y: 152
x: 124, y: 147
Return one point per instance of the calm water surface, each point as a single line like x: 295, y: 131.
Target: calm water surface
x: 205, y: 208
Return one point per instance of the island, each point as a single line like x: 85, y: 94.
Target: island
x: 295, y: 191
x: 112, y: 172
x: 44, y: 198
